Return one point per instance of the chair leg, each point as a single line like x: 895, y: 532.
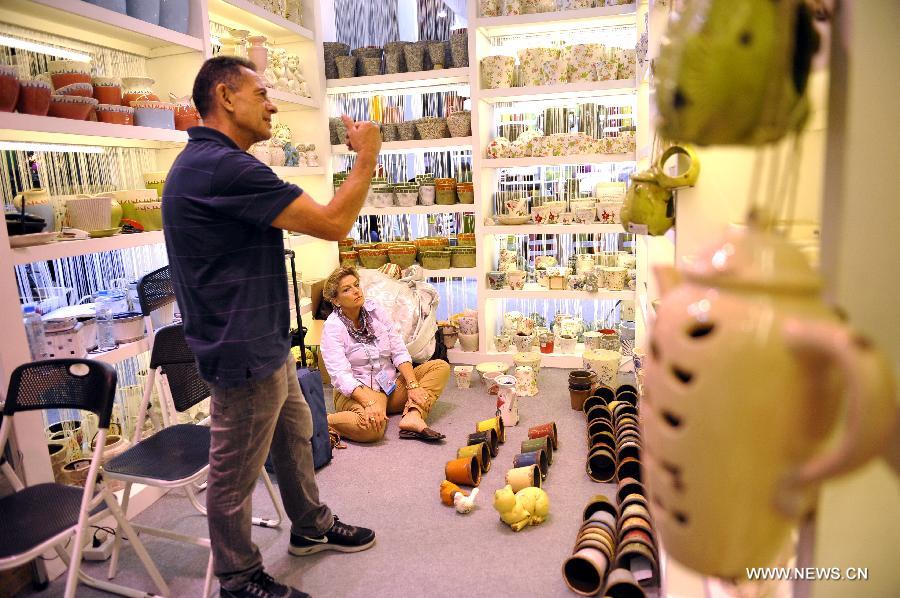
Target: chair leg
x: 117, y: 541
x: 191, y: 491
x: 207, y: 584
x: 136, y: 543
x: 276, y: 501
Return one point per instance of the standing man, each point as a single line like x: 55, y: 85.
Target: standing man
x: 223, y: 215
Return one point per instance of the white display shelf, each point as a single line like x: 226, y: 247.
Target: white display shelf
x: 548, y: 294
x: 558, y: 92
x: 435, y: 209
x: 291, y: 171
x: 452, y: 273
x: 84, y: 21
x: 54, y: 251
x: 554, y: 21
x: 289, y: 102
x: 243, y: 14
x: 532, y: 162
x: 457, y: 356
x: 122, y: 352
x: 48, y: 129
x: 436, y: 145
x: 553, y: 229
x: 550, y: 360
x: 412, y: 81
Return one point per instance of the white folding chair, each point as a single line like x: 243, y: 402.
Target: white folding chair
x: 37, y: 518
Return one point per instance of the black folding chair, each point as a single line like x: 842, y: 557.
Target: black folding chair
x: 155, y: 291
x: 178, y: 455
x: 37, y: 518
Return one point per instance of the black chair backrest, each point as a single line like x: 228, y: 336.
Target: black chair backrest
x: 63, y: 384
x: 155, y: 290
x: 172, y: 354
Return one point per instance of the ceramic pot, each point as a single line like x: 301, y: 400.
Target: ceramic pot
x: 495, y: 423
x: 490, y: 8
x: 585, y: 571
x: 480, y: 451
x: 548, y: 430
x: 501, y: 343
x: 34, y: 97
x: 38, y: 203
x: 526, y: 381
x: 468, y: 342
x: 765, y: 332
x: 543, y: 443
x: 72, y: 107
x: 74, y: 473
x: 463, y: 375
x: 138, y: 89
x: 489, y: 437
x: 160, y: 115
x: 258, y: 53
x: 9, y: 88
x: 507, y: 403
x: 115, y: 114
x: 497, y: 71
x: 464, y: 470
x: 537, y: 458
x: 523, y: 477
x: 604, y: 363
x: 414, y: 55
x: 174, y: 15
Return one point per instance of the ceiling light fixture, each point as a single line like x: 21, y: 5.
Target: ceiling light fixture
x: 22, y: 44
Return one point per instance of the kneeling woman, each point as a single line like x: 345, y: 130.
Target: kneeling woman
x: 363, y: 352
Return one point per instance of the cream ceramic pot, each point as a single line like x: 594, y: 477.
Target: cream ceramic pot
x: 526, y: 381
x: 743, y: 384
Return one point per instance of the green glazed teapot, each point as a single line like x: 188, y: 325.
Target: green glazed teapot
x: 649, y: 207
x: 735, y: 71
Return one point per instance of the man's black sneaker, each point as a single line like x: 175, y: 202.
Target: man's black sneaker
x: 341, y: 537
x: 263, y: 585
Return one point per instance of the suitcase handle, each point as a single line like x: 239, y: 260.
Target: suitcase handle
x: 301, y: 331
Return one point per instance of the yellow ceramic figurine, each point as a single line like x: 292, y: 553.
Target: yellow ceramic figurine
x: 528, y: 506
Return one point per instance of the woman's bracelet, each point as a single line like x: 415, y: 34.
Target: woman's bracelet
x: 412, y: 385
x: 369, y: 404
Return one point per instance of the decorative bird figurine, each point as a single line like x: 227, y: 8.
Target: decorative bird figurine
x: 464, y: 504
x: 528, y: 506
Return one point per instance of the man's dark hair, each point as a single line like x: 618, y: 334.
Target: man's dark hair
x: 221, y: 69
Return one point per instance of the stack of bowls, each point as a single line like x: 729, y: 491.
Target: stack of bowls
x: 592, y: 557
x: 581, y: 385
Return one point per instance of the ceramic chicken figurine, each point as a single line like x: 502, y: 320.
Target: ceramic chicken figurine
x: 514, y: 508
x: 464, y: 504
x: 449, y: 490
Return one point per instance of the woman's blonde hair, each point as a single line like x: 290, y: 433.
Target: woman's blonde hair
x: 330, y: 292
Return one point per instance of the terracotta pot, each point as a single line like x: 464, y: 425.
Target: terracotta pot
x: 548, y: 429
x: 115, y: 114
x: 108, y: 94
x: 73, y: 107
x: 627, y: 450
x: 628, y: 397
x: 597, y: 503
x: 604, y: 440
x: 34, y: 97
x: 63, y: 79
x: 585, y: 571
x: 74, y: 473
x: 599, y: 412
x: 626, y: 388
x: 596, y: 540
x: 601, y: 513
x: 577, y: 398
x: 138, y: 89
x: 463, y: 471
x: 636, y: 551
x: 621, y: 584
x: 9, y: 88
x: 85, y: 90
x: 602, y: 395
x: 448, y: 489
x: 186, y: 116
x: 599, y: 425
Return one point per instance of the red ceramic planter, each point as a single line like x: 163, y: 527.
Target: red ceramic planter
x: 73, y: 107
x: 9, y: 89
x: 34, y: 98
x: 108, y: 94
x: 63, y: 79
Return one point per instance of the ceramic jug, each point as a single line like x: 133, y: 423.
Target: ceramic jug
x: 649, y: 207
x: 507, y: 400
x: 745, y: 383
x: 37, y: 202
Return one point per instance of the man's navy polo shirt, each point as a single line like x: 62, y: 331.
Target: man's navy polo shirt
x: 227, y: 261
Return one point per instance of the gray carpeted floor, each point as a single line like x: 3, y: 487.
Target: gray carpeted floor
x: 423, y: 548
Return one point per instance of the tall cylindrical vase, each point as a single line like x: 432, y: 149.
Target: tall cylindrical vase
x: 258, y: 53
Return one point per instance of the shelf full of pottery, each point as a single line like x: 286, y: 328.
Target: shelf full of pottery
x: 585, y: 272
x: 514, y: 8
x: 425, y: 190
x: 566, y: 334
x: 432, y: 253
x: 567, y: 207
x: 42, y: 219
x: 69, y: 90
x: 282, y: 70
x: 456, y: 123
x: 581, y: 129
x: 397, y: 57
